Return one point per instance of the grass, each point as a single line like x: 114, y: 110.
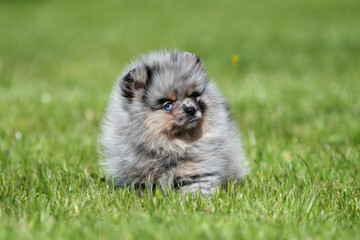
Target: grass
x: 295, y: 94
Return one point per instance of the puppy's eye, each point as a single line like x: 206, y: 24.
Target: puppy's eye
x: 168, y: 106
x: 194, y: 95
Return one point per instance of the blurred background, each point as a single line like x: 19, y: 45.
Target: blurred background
x: 82, y: 43
x: 290, y: 70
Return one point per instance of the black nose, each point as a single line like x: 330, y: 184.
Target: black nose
x: 190, y: 110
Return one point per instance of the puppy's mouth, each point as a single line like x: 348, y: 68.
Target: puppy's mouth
x: 188, y: 116
x: 191, y: 123
x: 188, y: 122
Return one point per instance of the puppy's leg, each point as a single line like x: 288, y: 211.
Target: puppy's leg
x: 205, y: 183
x: 191, y: 176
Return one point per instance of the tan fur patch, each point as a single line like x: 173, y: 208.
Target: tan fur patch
x: 190, y: 90
x: 172, y: 96
x: 159, y: 122
x: 164, y: 124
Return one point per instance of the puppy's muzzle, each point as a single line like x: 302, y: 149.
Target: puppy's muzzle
x: 191, y: 114
x: 191, y: 111
x: 189, y: 108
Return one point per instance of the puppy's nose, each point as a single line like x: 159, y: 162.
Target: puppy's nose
x: 190, y: 110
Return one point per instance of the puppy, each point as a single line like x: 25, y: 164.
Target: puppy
x: 167, y: 125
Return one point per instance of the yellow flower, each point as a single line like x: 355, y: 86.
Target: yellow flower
x: 235, y: 60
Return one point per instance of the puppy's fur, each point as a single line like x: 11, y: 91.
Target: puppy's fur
x: 166, y: 124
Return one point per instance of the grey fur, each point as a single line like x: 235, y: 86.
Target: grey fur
x: 139, y: 147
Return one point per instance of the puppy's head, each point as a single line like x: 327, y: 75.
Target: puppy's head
x: 168, y: 91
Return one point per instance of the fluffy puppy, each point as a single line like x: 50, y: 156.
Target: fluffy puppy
x: 166, y: 124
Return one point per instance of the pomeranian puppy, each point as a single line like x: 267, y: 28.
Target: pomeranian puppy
x: 167, y: 125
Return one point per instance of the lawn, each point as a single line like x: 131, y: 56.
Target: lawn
x: 295, y: 94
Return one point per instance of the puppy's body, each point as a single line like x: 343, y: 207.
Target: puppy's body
x: 166, y: 124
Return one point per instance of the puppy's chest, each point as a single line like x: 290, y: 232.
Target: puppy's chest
x: 157, y: 165
x: 165, y: 162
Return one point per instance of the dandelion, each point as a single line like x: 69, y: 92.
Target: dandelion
x: 235, y: 60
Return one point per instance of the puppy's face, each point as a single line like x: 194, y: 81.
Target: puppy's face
x: 176, y: 114
x: 171, y: 92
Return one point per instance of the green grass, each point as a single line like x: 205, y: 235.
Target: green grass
x: 295, y: 94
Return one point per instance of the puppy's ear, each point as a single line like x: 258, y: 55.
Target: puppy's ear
x: 136, y: 80
x: 195, y: 59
